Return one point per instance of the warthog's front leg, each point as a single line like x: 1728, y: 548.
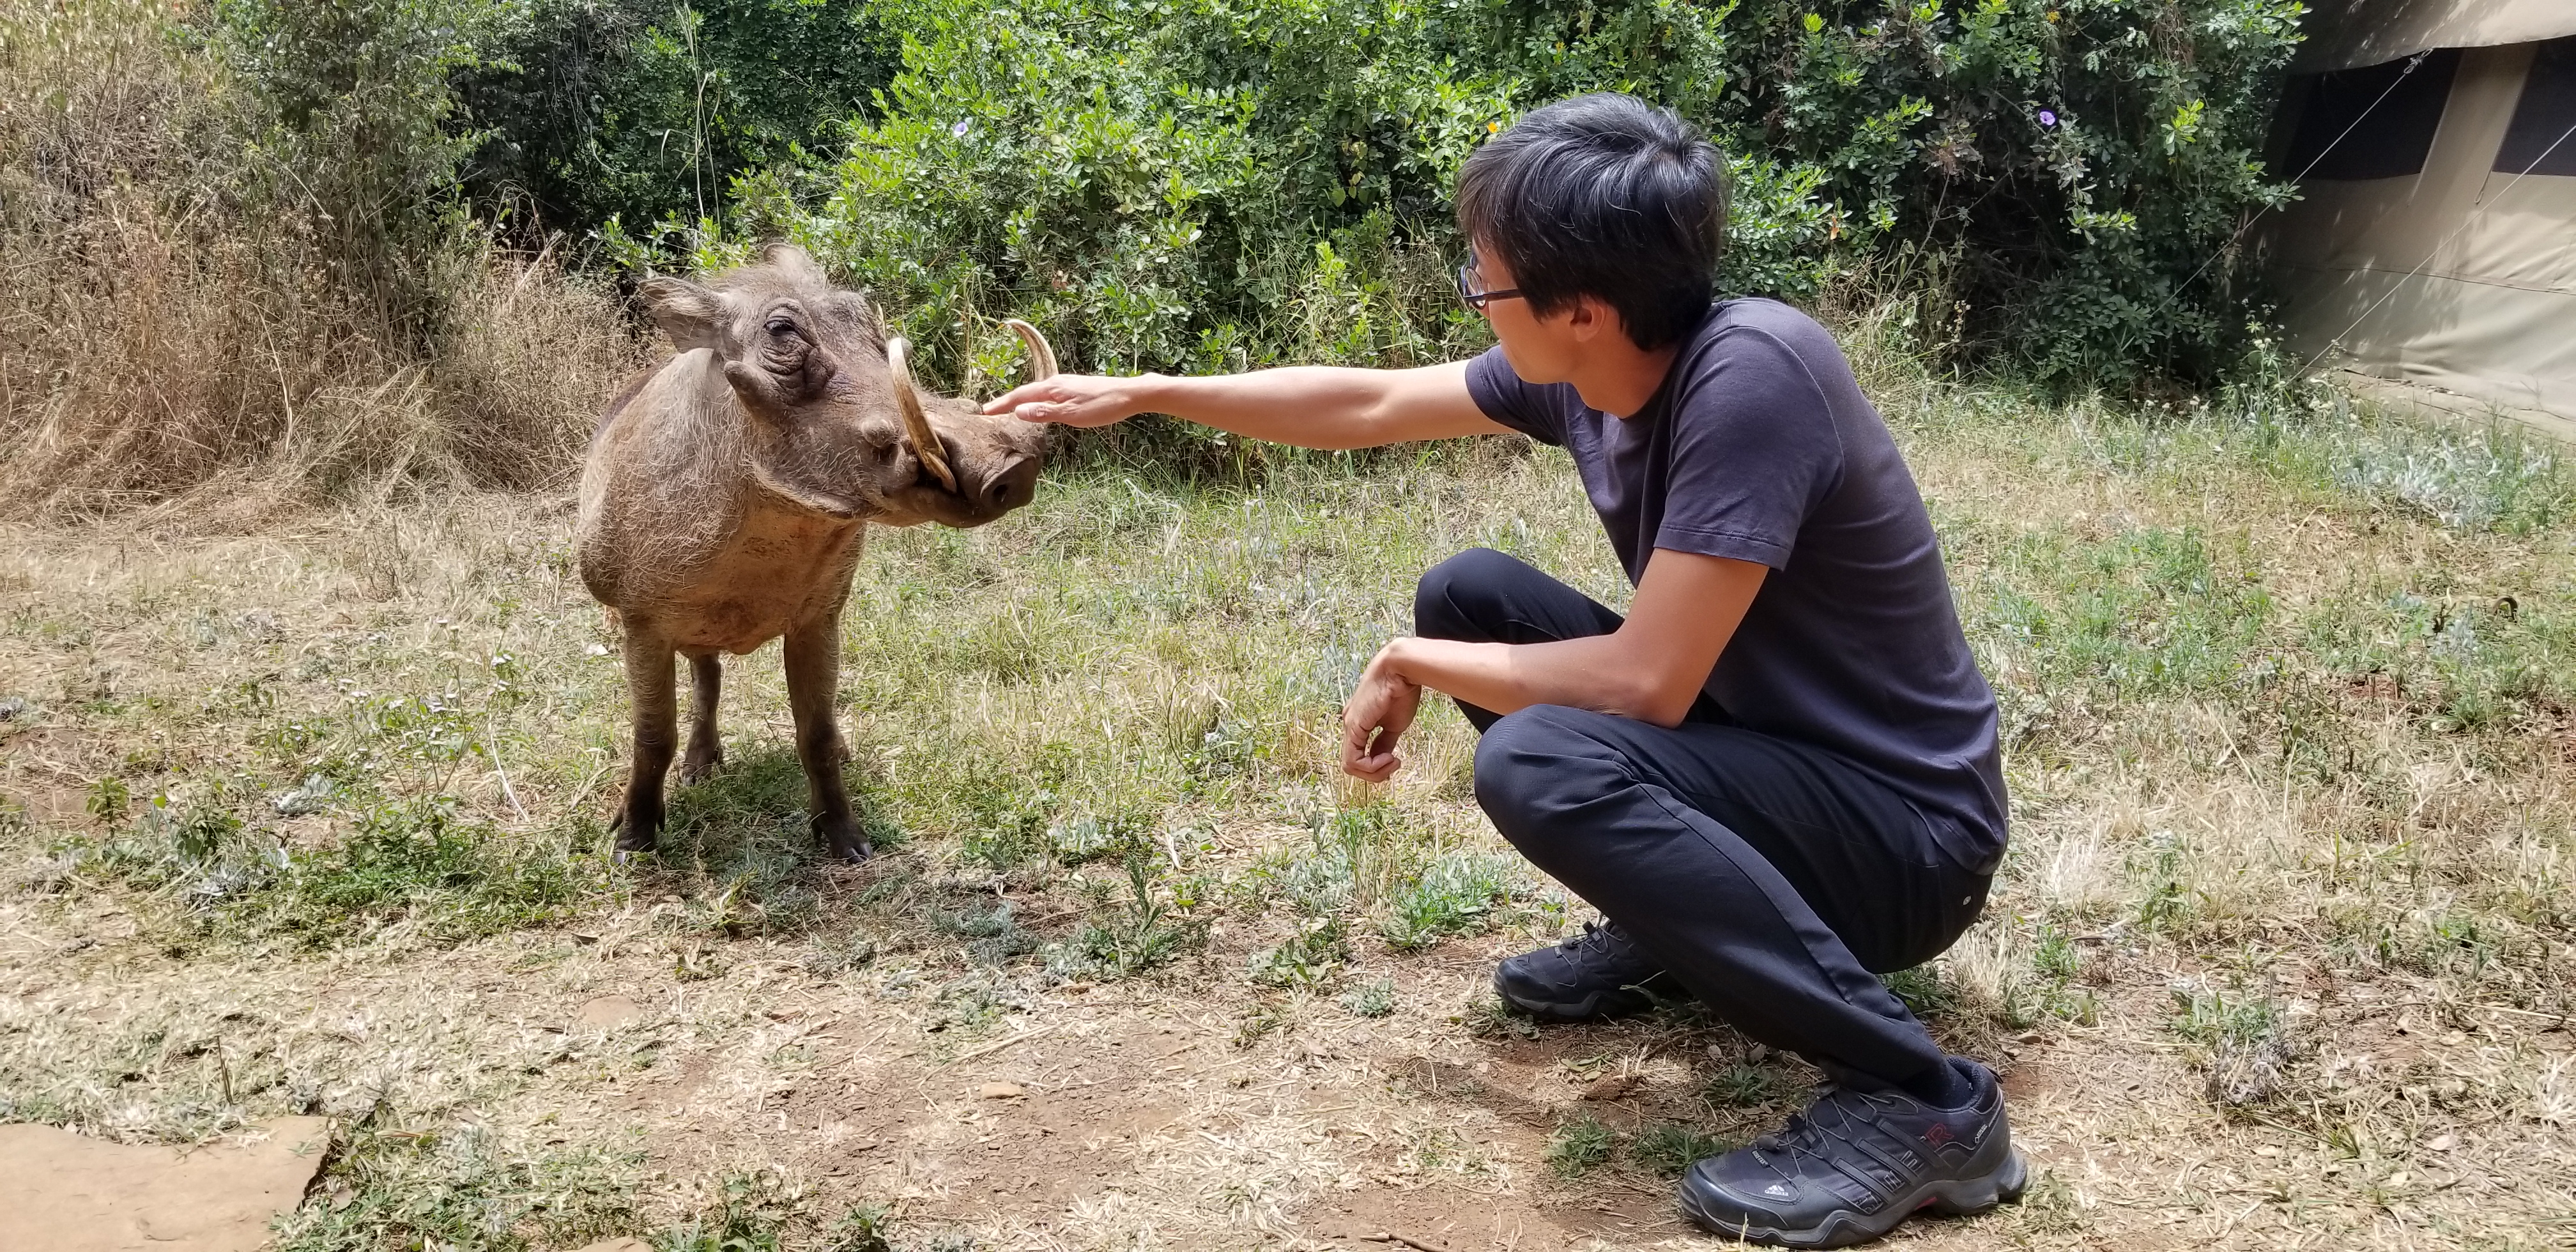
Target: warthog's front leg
x: 706, y: 752
x: 813, y: 677
x: 657, y: 718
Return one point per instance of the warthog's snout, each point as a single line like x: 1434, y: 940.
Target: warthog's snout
x: 1013, y: 484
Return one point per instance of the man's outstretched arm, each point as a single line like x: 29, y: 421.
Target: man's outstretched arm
x: 1651, y: 668
x: 1311, y: 406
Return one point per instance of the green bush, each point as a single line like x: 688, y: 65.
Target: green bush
x: 2076, y: 169
x: 1185, y: 186
x: 640, y: 110
x: 359, y: 137
x: 1160, y: 184
x: 1188, y: 184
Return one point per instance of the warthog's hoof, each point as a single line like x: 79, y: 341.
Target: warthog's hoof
x: 630, y: 841
x: 844, y: 841
x: 696, y: 768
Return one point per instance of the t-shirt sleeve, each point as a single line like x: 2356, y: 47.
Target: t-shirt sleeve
x: 1532, y: 410
x: 1754, y: 452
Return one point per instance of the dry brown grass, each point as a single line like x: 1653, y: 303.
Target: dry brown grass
x: 165, y: 323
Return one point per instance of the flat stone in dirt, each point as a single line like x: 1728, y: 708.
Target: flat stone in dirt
x: 68, y: 1193
x: 605, y: 1012
x: 618, y: 1245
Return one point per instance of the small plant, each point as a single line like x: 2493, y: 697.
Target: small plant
x: 992, y: 936
x: 424, y: 856
x: 2055, y: 956
x: 1454, y: 895
x: 1315, y: 884
x: 765, y: 1212
x: 834, y: 955
x: 2242, y: 1044
x: 696, y: 962
x: 1225, y: 751
x: 1371, y: 999
x: 975, y: 1001
x: 1671, y: 1147
x: 1492, y: 1018
x: 108, y: 798
x: 1742, y: 1086
x: 867, y: 1228
x: 200, y: 834
x: 1579, y: 1147
x: 1086, y: 839
x: 1922, y: 990
x: 1312, y: 959
x: 2168, y: 903
x: 2055, y: 960
x: 1258, y: 1023
x: 1141, y: 937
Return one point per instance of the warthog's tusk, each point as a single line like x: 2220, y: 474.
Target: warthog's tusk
x: 916, y: 424
x: 1041, y: 356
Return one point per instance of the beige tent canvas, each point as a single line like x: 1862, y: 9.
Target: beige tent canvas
x: 2434, y: 240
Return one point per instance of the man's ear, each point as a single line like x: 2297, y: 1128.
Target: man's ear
x: 1590, y: 317
x: 690, y: 314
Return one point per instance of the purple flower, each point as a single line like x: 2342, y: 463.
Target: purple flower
x: 959, y: 129
x: 2047, y: 117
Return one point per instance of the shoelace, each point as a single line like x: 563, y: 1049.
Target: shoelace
x: 1594, y: 936
x: 1804, y: 1138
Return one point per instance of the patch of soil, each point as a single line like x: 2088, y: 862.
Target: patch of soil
x: 957, y: 1145
x: 1460, y: 1220
x: 67, y: 1193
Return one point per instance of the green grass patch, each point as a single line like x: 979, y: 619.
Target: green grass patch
x: 1741, y: 1085
x: 1580, y: 1146
x: 460, y: 1187
x: 1371, y: 999
x: 2242, y: 1043
x: 1455, y: 894
x: 1669, y: 1148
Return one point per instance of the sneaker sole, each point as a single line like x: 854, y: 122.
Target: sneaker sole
x: 1950, y: 1197
x: 1589, y: 1008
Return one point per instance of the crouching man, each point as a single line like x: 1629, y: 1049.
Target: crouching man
x: 1777, y: 777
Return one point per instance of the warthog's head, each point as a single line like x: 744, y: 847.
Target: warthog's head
x: 836, y: 423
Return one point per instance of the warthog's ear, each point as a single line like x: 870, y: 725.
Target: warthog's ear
x: 690, y: 314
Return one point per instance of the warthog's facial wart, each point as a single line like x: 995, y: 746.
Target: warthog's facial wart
x: 838, y: 426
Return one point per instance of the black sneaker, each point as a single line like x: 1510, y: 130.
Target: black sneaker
x: 1594, y: 974
x: 1858, y: 1162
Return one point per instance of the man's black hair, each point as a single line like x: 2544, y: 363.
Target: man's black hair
x: 1604, y: 196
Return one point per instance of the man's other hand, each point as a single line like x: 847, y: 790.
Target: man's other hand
x: 1380, y: 710
x: 1071, y: 400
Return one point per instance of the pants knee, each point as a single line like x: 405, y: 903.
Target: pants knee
x: 1528, y: 767
x: 1455, y: 599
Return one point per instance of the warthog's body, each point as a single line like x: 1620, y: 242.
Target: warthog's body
x: 727, y: 495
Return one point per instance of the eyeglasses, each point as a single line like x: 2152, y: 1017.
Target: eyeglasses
x: 1477, y: 300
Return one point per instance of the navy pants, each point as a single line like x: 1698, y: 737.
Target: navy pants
x: 1772, y: 879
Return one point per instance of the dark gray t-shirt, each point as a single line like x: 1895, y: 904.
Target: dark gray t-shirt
x: 1760, y: 447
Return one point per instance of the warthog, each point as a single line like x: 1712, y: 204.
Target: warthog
x: 727, y: 494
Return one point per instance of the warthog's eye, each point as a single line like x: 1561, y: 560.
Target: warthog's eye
x: 781, y: 327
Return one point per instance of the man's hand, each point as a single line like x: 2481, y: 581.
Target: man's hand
x: 1072, y: 400
x: 1380, y: 710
